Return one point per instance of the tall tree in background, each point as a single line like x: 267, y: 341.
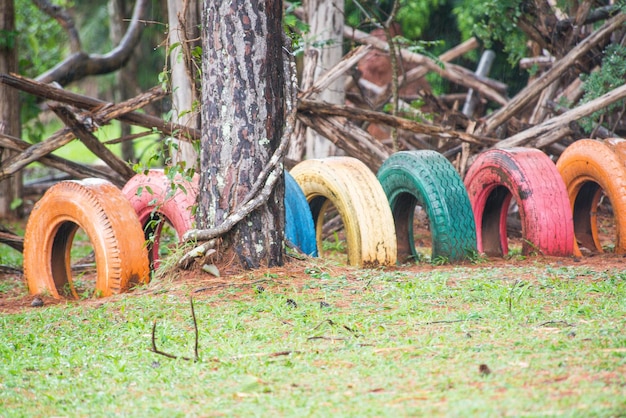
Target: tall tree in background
x: 9, y: 103
x: 326, y: 21
x: 242, y: 117
x: 126, y: 84
x: 184, y: 36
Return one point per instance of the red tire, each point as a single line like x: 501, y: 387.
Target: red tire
x: 155, y: 197
x: 589, y: 168
x: 109, y: 221
x: 529, y: 176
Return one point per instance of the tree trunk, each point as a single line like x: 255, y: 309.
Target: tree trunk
x: 126, y: 86
x: 242, y: 117
x: 11, y: 188
x: 184, y: 30
x: 326, y: 21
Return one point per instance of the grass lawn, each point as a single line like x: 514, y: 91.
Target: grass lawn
x: 533, y: 337
x: 523, y: 336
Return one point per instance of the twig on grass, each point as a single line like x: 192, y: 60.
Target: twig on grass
x: 321, y: 337
x: 325, y: 321
x: 274, y: 354
x: 221, y: 285
x: 332, y: 323
x: 564, y: 323
x: 510, y: 298
x: 172, y: 356
x: 451, y: 321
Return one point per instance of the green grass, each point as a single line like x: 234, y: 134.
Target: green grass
x: 383, y: 343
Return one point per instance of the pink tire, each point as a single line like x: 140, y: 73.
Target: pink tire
x: 529, y: 176
x: 156, y: 197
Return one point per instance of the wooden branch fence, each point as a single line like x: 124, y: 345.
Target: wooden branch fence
x: 452, y: 133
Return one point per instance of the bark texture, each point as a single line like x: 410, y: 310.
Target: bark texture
x: 325, y: 18
x: 242, y: 118
x: 184, y: 25
x: 10, y: 189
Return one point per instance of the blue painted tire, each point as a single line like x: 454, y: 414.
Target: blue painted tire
x: 427, y: 178
x: 299, y: 227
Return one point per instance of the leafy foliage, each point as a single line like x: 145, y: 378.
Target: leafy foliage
x: 41, y: 40
x: 493, y: 21
x: 612, y: 74
x: 295, y: 28
x: 413, y: 15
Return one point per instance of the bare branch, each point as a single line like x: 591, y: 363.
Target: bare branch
x: 537, y: 134
x: 80, y: 64
x: 92, y: 142
x: 372, y: 116
x: 50, y: 92
x: 528, y: 94
x: 101, y: 115
x: 454, y: 73
x: 76, y: 170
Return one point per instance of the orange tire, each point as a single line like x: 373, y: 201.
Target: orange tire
x: 588, y: 168
x: 108, y: 219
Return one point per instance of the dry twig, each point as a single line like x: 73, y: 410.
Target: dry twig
x: 172, y: 356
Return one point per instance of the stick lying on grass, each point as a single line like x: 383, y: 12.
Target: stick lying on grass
x: 168, y: 355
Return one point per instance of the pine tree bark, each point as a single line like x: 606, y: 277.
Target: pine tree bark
x: 242, y: 118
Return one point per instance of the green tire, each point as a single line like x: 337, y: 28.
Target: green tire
x: 427, y: 179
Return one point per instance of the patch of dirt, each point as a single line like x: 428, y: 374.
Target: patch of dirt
x: 293, y: 274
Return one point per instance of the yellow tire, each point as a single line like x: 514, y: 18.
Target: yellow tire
x: 353, y: 189
x: 110, y: 222
x: 588, y: 168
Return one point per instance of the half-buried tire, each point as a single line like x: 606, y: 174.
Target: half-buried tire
x: 156, y: 199
x: 357, y: 195
x: 529, y: 176
x: 299, y: 226
x: 427, y: 179
x: 589, y: 168
x: 108, y: 219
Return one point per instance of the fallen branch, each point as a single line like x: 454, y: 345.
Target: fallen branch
x: 454, y: 73
x: 401, y: 123
x: 12, y: 240
x: 451, y: 321
x: 172, y: 356
x: 353, y: 140
x: 65, y: 135
x: 416, y: 73
x: 543, y: 134
x: 49, y: 92
x: 76, y: 170
x: 347, y: 62
x: 274, y: 354
x: 529, y: 93
x: 92, y: 142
